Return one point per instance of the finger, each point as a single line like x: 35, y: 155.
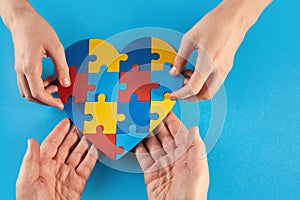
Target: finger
x: 87, y: 165
x: 165, y: 137
x: 49, y: 80
x: 144, y: 158
x: 197, y: 149
x: 30, y: 167
x: 192, y: 88
x: 57, y: 54
x: 154, y: 147
x: 51, y: 89
x: 52, y: 142
x: 186, y: 48
x: 78, y: 154
x: 38, y: 92
x: 20, y: 86
x: 25, y: 88
x: 188, y: 73
x: 177, y: 129
x: 67, y: 145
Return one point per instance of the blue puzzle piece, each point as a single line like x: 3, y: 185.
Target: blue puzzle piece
x: 139, y: 53
x: 130, y: 140
x: 137, y: 113
x: 106, y: 83
x: 76, y: 113
x: 77, y: 53
x: 167, y: 82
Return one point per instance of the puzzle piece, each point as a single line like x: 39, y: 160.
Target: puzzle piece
x: 106, y: 54
x: 139, y: 53
x: 167, y: 82
x: 166, y: 53
x: 162, y: 108
x: 130, y: 140
x: 77, y: 53
x: 134, y: 80
x: 137, y: 113
x: 104, y: 113
x: 104, y: 143
x: 78, y: 88
x: 107, y: 83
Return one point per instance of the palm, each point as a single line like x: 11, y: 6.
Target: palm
x: 55, y: 170
x: 177, y: 170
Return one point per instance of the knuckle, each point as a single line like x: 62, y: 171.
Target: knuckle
x: 36, y: 94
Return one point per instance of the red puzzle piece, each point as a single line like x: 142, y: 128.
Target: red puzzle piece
x: 78, y: 88
x: 104, y: 143
x: 138, y: 82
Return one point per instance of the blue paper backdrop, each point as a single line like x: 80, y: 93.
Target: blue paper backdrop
x: 257, y: 155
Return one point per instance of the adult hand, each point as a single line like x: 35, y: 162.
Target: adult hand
x: 174, y: 162
x: 33, y: 40
x: 216, y: 37
x: 59, y: 168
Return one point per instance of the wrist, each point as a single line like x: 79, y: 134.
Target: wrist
x: 246, y: 12
x: 11, y: 10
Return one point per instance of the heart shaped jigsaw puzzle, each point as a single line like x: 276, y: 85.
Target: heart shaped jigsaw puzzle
x: 116, y: 99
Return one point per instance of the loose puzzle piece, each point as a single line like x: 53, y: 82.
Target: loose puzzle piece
x: 78, y: 88
x: 133, y: 79
x: 167, y: 82
x: 162, y: 108
x: 106, y: 54
x: 107, y: 84
x: 139, y: 53
x: 104, y: 143
x: 166, y: 54
x: 130, y: 140
x: 104, y: 113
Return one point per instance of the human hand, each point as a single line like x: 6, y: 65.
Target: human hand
x: 174, y: 162
x: 216, y: 37
x: 59, y: 168
x: 34, y: 39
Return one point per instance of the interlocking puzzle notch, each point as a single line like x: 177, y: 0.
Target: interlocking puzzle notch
x: 162, y: 108
x: 139, y: 53
x: 106, y: 55
x: 110, y: 90
x: 105, y: 143
x: 78, y: 88
x: 104, y: 113
x: 166, y: 53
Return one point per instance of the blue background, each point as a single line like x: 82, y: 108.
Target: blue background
x: 257, y: 155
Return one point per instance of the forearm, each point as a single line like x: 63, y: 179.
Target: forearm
x: 10, y: 10
x: 247, y: 11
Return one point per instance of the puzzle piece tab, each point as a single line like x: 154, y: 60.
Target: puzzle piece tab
x: 104, y: 113
x: 139, y: 53
x: 105, y: 143
x: 134, y: 80
x: 166, y: 53
x: 107, y: 83
x: 161, y: 108
x: 106, y: 55
x: 167, y: 82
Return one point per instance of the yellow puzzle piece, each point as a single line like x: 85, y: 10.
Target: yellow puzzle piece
x: 166, y: 53
x: 106, y: 54
x: 162, y: 108
x: 103, y: 113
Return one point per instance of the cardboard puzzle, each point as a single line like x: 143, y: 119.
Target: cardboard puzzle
x: 117, y: 97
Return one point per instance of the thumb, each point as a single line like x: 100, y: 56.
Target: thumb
x: 62, y: 70
x: 186, y: 48
x: 29, y: 170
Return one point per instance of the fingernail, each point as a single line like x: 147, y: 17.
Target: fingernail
x: 172, y: 96
x: 173, y: 70
x: 66, y: 82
